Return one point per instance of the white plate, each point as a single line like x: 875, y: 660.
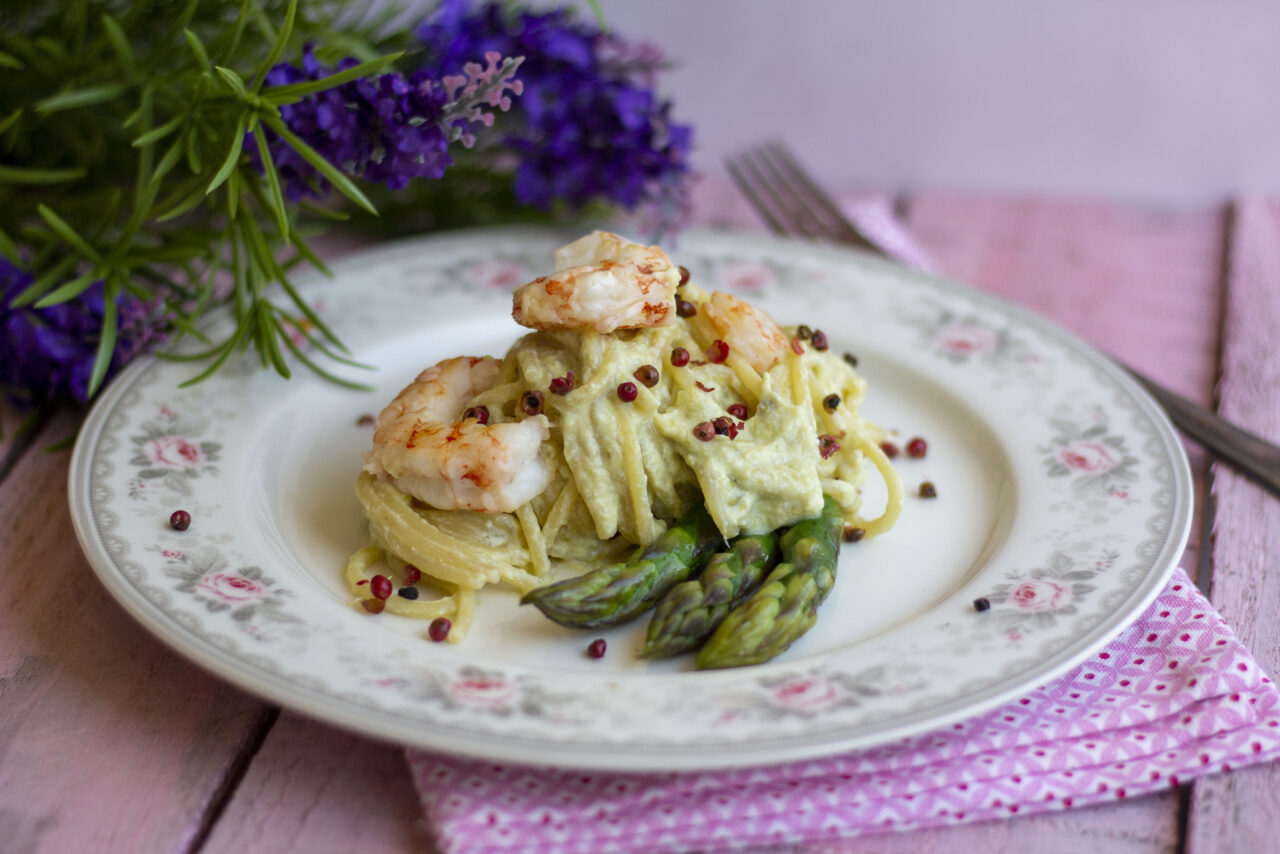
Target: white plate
x: 1064, y: 498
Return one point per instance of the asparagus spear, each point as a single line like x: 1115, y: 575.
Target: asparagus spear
x: 787, y: 605
x: 614, y: 594
x: 692, y: 609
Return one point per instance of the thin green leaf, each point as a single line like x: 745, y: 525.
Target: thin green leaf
x: 197, y: 47
x: 144, y: 106
x: 81, y: 97
x: 192, y: 140
x: 62, y: 444
x: 234, y: 82
x: 157, y: 134
x: 293, y: 92
x: 278, y: 46
x: 304, y: 251
x: 270, y: 335
x: 316, y: 369
x: 29, y: 176
x: 233, y: 194
x: 107, y: 337
x: 237, y: 31
x: 170, y: 159
x: 119, y: 44
x: 8, y: 121
x: 67, y: 233
x: 69, y: 291
x: 599, y: 13
x: 8, y: 60
x: 233, y: 158
x: 276, y: 204
x: 165, y: 209
x: 224, y: 352
x: 324, y: 167
x: 337, y: 357
x: 44, y: 282
x: 9, y: 249
x: 265, y: 26
x: 310, y: 313
x: 337, y: 214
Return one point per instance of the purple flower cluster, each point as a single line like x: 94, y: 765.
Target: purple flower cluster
x: 389, y: 129
x: 589, y: 127
x: 48, y: 353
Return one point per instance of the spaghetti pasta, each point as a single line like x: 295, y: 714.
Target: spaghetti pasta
x: 622, y: 468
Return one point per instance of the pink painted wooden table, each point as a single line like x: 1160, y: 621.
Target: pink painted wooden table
x: 109, y: 742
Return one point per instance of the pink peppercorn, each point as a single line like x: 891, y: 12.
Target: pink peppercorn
x: 917, y: 448
x: 597, y: 648
x: 439, y: 629
x: 679, y: 357
x: 180, y: 520
x: 380, y: 586
x: 648, y: 375
x: 531, y: 402
x: 738, y: 410
x: 627, y: 392
x: 562, y: 385
x: 717, y: 352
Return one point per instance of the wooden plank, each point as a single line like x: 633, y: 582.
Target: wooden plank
x: 1241, y: 811
x: 315, y: 788
x: 1133, y: 282
x: 108, y: 741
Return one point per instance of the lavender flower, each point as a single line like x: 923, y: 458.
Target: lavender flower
x: 48, y: 353
x: 388, y: 129
x: 589, y: 126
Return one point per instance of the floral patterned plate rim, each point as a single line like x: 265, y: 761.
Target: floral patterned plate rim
x: 1063, y: 499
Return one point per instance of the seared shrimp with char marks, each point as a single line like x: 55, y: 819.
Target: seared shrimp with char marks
x: 425, y: 451
x: 602, y: 282
x: 747, y: 330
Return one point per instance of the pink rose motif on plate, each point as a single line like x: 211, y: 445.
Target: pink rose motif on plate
x: 806, y: 694
x: 964, y: 339
x: 1040, y: 595
x: 497, y: 274
x: 744, y: 275
x: 483, y: 691
x: 174, y: 452
x: 167, y: 452
x: 229, y: 588
x: 1090, y: 457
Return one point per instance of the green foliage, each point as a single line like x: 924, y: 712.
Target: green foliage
x: 122, y: 157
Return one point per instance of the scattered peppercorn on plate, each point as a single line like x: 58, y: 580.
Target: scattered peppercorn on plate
x: 1043, y: 500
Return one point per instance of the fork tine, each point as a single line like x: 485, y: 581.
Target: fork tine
x: 787, y: 211
x: 738, y: 172
x: 816, y: 200
x: 804, y: 218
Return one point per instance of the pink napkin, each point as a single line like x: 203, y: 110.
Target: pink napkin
x: 1174, y: 697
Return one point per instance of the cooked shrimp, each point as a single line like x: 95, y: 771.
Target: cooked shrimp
x: 602, y: 282
x: 747, y: 330
x: 425, y: 451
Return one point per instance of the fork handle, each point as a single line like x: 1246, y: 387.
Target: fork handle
x: 1249, y: 453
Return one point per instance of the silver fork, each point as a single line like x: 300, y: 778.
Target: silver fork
x: 792, y: 203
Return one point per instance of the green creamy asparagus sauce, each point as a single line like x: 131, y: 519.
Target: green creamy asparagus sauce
x: 766, y: 477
